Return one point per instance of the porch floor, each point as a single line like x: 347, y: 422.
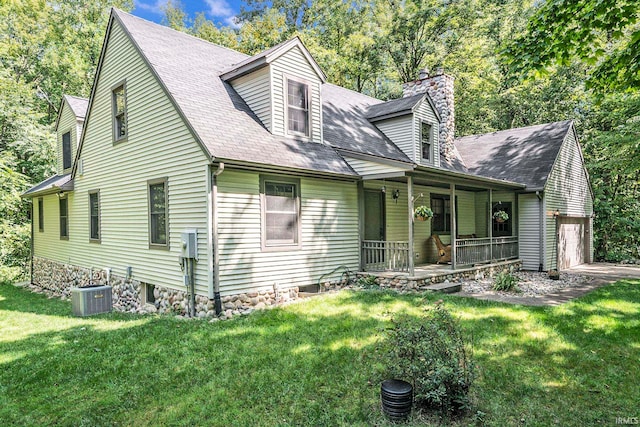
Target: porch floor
x: 443, y: 271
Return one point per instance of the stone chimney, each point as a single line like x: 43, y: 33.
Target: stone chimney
x: 439, y: 86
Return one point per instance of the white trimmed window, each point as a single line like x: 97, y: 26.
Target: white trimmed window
x: 158, y: 214
x: 297, y: 108
x: 64, y: 218
x: 280, y: 200
x: 426, y: 141
x: 94, y: 216
x: 119, y: 105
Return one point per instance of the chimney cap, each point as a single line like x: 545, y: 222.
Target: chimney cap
x: 423, y: 74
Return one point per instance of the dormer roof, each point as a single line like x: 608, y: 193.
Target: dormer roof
x: 264, y: 58
x: 524, y: 155
x: 347, y: 129
x: 399, y: 107
x: 77, y: 105
x: 188, y: 69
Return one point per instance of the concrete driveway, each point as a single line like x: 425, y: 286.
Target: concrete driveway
x: 608, y: 271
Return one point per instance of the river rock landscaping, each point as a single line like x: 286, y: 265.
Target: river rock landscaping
x: 530, y: 284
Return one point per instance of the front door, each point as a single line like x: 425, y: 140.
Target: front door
x: 374, y: 227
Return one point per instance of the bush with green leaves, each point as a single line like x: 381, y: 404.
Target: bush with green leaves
x: 368, y: 282
x: 505, y: 281
x: 432, y: 354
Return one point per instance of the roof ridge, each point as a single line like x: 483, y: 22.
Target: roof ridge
x: 120, y: 11
x: 76, y: 97
x: 512, y: 129
x: 354, y: 91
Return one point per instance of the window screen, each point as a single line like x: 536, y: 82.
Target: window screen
x: 281, y: 213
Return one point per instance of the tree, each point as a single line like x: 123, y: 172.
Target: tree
x: 602, y: 33
x: 421, y: 32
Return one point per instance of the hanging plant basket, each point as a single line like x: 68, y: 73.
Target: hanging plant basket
x: 422, y: 213
x: 500, y: 216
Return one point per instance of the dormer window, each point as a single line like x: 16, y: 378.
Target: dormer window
x: 119, y: 102
x: 426, y: 141
x: 297, y: 108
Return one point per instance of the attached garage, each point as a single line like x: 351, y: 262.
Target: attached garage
x: 573, y: 241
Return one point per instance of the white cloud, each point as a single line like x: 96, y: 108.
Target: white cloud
x: 155, y: 7
x: 231, y: 22
x: 219, y: 8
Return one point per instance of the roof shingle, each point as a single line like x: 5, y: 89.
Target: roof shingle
x: 525, y: 155
x: 189, y: 68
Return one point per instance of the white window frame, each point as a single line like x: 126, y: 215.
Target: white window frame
x: 99, y: 238
x: 64, y: 218
x: 266, y: 244
x: 297, y: 80
x: 114, y: 113
x: 165, y: 182
x: 431, y: 151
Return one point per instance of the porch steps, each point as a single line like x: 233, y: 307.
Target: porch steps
x: 447, y: 288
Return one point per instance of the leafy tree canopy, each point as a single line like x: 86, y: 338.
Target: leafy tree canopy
x: 603, y: 33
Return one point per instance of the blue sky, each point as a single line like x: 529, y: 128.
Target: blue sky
x: 218, y: 11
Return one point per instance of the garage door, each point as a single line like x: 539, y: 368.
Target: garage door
x: 572, y: 241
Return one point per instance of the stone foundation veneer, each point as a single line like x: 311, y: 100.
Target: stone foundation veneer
x: 57, y: 279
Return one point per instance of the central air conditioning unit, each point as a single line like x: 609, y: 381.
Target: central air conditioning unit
x: 93, y: 299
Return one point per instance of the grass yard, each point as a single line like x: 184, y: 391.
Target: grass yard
x: 312, y: 363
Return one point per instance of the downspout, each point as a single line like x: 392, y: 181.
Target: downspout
x: 214, y: 262
x: 541, y: 232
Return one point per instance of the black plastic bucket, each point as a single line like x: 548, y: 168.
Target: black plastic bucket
x: 397, y: 399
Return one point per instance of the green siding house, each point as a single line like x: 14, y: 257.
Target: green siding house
x: 284, y: 179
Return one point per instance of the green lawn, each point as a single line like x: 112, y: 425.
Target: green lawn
x: 312, y: 363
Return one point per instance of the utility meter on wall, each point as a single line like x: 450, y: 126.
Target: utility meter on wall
x: 189, y: 244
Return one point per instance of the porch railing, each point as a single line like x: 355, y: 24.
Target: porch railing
x: 474, y: 251
x: 379, y: 255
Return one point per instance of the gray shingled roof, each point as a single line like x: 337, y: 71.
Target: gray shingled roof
x: 525, y: 155
x: 189, y: 67
x: 78, y: 105
x: 395, y: 106
x: 56, y: 182
x: 346, y: 126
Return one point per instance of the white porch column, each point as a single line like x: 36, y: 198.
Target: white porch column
x: 452, y: 209
x: 410, y: 218
x: 360, y: 224
x: 490, y: 225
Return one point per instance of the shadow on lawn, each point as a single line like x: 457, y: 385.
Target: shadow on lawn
x: 313, y: 363
x: 572, y: 364
x: 275, y: 367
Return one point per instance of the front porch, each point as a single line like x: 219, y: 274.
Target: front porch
x: 380, y: 256
x: 461, y: 234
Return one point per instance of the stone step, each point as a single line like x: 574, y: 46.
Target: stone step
x: 447, y: 288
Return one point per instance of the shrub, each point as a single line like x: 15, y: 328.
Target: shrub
x: 432, y: 354
x: 368, y: 282
x: 505, y: 281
